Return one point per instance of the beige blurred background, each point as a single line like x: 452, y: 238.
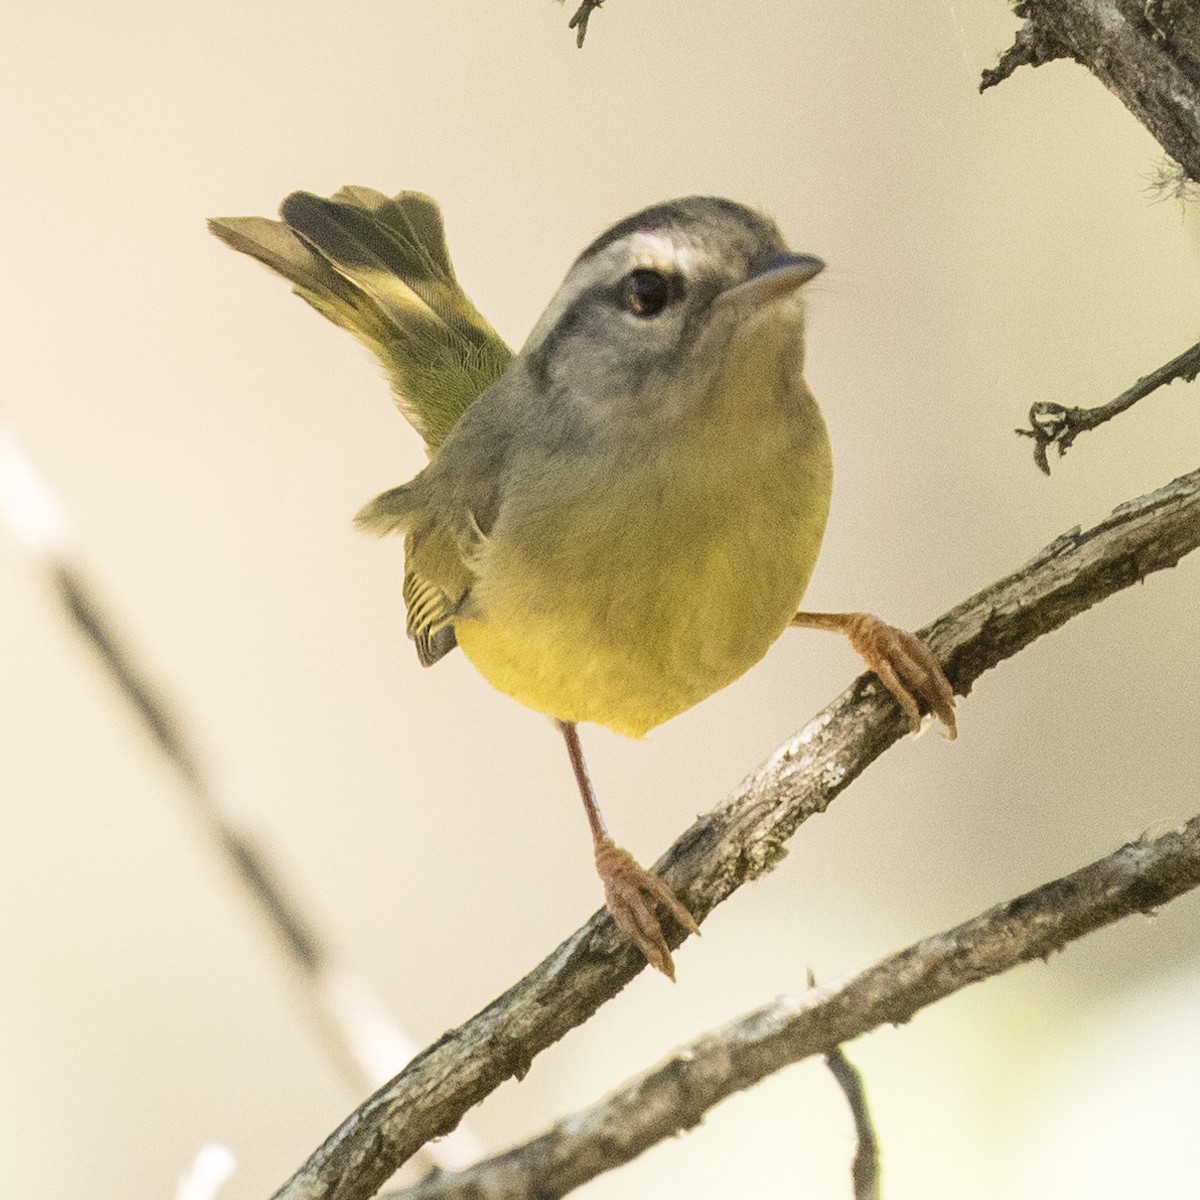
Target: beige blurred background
x: 211, y: 437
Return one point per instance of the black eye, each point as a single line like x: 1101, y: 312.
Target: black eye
x: 647, y: 292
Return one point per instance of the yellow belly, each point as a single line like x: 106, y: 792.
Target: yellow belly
x: 635, y: 614
x: 703, y: 629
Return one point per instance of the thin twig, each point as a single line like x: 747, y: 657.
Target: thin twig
x: 1054, y: 425
x: 741, y: 839
x: 674, y: 1095
x: 1031, y: 48
x: 579, y: 22
x: 864, y: 1169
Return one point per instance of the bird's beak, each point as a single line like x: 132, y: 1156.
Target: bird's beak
x: 777, y: 277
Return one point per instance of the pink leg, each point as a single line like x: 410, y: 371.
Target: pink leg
x: 633, y: 894
x: 903, y: 662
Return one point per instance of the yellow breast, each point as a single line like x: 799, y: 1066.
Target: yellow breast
x: 655, y: 582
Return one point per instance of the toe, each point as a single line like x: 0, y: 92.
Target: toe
x: 634, y: 896
x: 890, y: 678
x: 907, y: 668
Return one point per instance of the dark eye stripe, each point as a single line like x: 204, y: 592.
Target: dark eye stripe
x: 585, y: 309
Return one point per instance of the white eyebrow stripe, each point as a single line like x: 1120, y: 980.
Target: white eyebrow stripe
x: 658, y: 251
x: 665, y: 249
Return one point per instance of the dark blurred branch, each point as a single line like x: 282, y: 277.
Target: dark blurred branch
x: 1147, y: 52
x: 334, y: 1019
x: 673, y: 1096
x: 1054, y: 425
x: 864, y: 1169
x: 743, y: 838
x: 158, y: 719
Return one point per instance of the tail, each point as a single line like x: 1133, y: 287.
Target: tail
x: 379, y: 268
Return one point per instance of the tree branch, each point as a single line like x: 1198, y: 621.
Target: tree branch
x: 1052, y: 424
x: 864, y: 1169
x: 1147, y: 52
x: 579, y: 22
x: 673, y: 1096
x: 743, y: 838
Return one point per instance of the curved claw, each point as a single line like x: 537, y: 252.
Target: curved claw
x: 634, y: 896
x: 905, y: 666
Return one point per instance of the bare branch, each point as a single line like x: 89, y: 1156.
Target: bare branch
x: 1147, y: 52
x: 743, y: 838
x: 674, y: 1095
x: 579, y: 22
x: 1053, y: 425
x: 864, y: 1170
x: 336, y: 1003
x: 1029, y: 49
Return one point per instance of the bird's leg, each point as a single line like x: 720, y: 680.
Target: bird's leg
x: 903, y: 662
x: 633, y: 894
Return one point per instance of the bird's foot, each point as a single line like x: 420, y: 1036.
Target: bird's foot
x: 634, y: 896
x: 905, y: 666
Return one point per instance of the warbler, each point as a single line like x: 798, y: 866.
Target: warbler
x: 620, y: 519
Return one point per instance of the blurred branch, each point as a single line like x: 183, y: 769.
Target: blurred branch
x: 348, y: 1015
x: 207, y: 1174
x: 864, y: 1169
x: 1147, y: 52
x: 1052, y: 424
x: 337, y: 1022
x: 743, y: 838
x: 673, y: 1096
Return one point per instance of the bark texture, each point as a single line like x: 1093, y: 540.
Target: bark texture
x: 743, y: 838
x: 673, y: 1096
x: 1147, y: 52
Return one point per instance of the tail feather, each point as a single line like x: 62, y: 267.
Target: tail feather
x: 411, y: 215
x: 315, y: 281
x: 379, y: 267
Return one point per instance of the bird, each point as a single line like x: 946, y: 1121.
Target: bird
x: 621, y: 518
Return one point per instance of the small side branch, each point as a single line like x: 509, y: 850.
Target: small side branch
x: 1053, y: 425
x: 745, y: 837
x: 674, y: 1095
x: 864, y: 1170
x: 1147, y: 52
x: 579, y: 22
x: 1030, y: 48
